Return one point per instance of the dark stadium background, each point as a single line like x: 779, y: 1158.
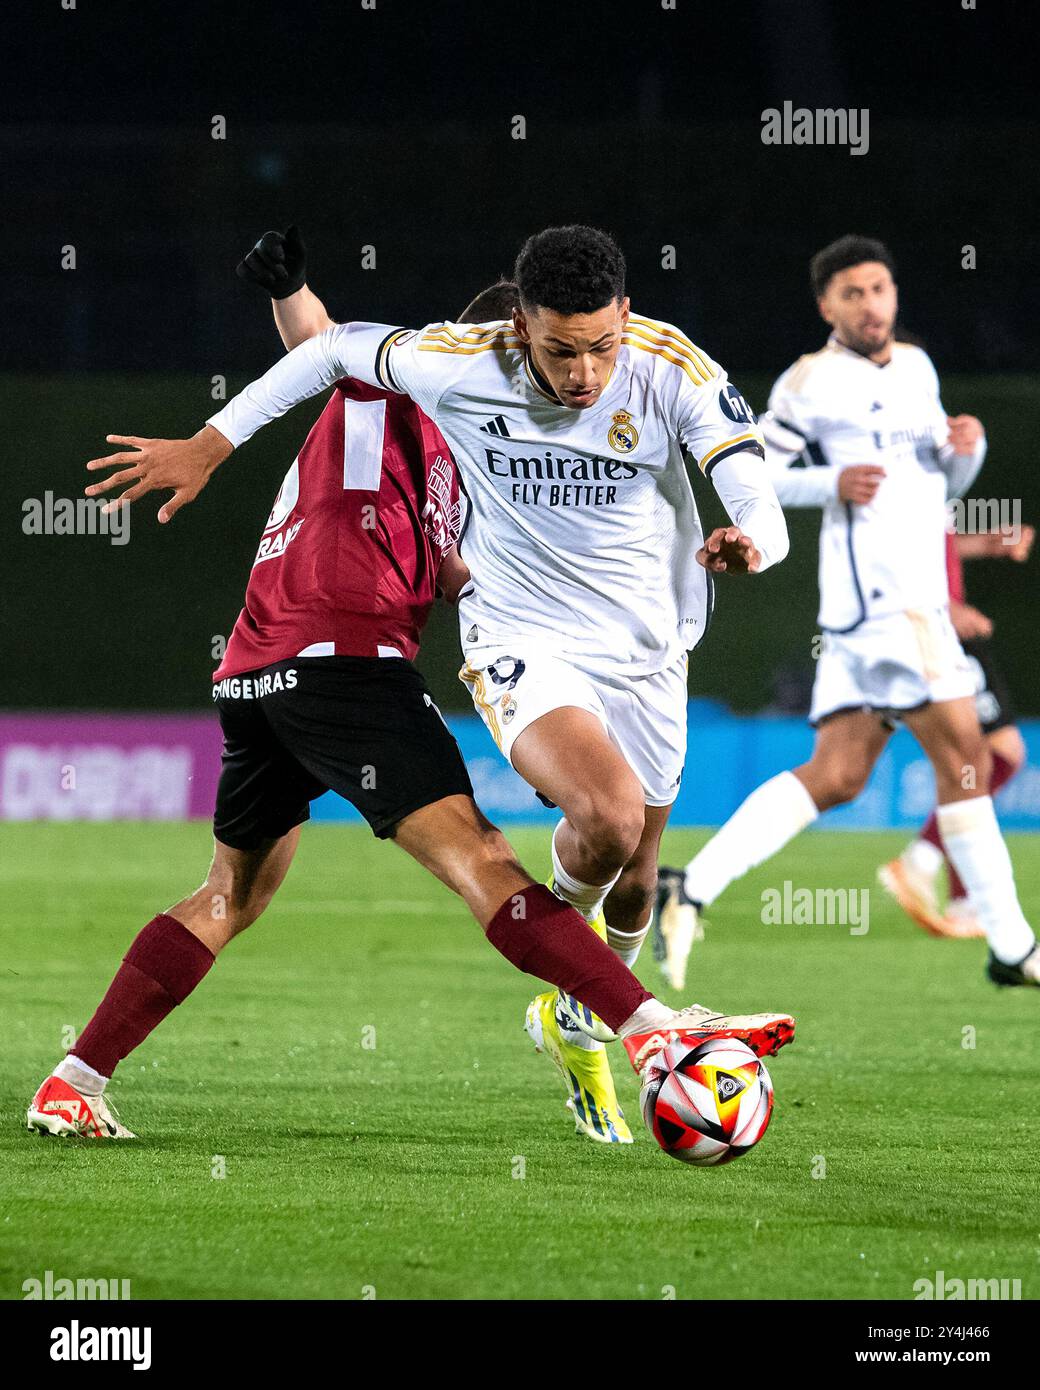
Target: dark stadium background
x: 392, y: 128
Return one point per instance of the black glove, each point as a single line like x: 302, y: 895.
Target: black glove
x: 277, y: 263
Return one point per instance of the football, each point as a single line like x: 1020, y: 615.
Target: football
x: 707, y: 1102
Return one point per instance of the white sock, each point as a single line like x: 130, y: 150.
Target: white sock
x: 650, y: 1014
x: 626, y: 945
x: 84, y: 1079
x: 976, y: 849
x: 586, y: 897
x: 773, y: 814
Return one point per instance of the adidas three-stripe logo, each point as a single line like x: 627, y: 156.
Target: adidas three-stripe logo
x: 497, y: 427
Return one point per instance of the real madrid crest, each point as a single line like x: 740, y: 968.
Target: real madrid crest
x: 622, y: 435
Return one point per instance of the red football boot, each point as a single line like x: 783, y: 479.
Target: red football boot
x: 58, y: 1108
x: 765, y: 1034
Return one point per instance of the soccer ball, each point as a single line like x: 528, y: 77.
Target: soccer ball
x: 706, y: 1102
x: 581, y: 1016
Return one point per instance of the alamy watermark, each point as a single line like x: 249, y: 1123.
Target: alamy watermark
x: 817, y: 907
x: 985, y: 516
x: 942, y: 1289
x: 80, y: 516
x: 81, y: 1342
x: 55, y: 1287
x: 803, y: 125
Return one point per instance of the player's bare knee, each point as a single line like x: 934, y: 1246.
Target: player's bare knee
x: 839, y: 783
x: 850, y: 783
x: 611, y: 826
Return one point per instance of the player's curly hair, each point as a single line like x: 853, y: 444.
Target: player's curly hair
x: 840, y: 254
x: 571, y: 270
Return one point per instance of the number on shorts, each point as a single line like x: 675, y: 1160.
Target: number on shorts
x: 506, y: 670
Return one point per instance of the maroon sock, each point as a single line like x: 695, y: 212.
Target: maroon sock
x: 930, y: 831
x: 163, y: 965
x: 545, y: 937
x: 1001, y: 771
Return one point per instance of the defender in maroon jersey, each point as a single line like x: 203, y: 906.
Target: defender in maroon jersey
x: 348, y: 561
x: 317, y: 691
x: 342, y: 584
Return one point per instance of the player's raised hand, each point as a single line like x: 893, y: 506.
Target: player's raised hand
x: 859, y: 482
x: 727, y: 548
x: 965, y: 433
x: 1021, y: 549
x: 969, y: 622
x: 277, y: 263
x: 182, y: 465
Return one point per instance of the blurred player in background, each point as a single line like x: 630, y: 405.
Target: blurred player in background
x: 912, y: 878
x: 890, y: 650
x: 572, y: 423
x: 317, y: 691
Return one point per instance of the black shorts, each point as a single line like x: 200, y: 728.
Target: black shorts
x: 992, y: 700
x: 365, y: 727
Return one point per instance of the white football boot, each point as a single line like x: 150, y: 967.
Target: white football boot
x: 677, y: 925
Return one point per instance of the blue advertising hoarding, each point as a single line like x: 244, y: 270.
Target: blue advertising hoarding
x: 729, y: 755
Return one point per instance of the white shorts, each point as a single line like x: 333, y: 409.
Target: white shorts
x: 513, y: 683
x: 892, y: 665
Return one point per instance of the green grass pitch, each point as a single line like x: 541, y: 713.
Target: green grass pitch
x: 441, y: 1163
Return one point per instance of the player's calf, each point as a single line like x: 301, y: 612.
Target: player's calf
x: 455, y: 841
x: 962, y: 769
x: 628, y: 909
x: 239, y: 887
x: 632, y: 898
x: 950, y: 734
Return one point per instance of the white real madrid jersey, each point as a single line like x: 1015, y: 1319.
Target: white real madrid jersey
x: 835, y: 408
x: 581, y: 529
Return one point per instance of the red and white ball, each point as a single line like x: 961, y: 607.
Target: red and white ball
x: 706, y: 1102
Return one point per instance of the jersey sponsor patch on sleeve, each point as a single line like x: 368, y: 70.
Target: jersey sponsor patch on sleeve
x: 735, y: 407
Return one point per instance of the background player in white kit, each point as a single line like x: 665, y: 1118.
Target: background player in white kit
x: 866, y: 411
x: 912, y: 878
x: 571, y: 425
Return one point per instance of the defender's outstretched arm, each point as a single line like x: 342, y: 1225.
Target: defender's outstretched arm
x: 186, y: 465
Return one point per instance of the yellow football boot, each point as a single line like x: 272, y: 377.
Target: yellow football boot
x: 592, y: 1099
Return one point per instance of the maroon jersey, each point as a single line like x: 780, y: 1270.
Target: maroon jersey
x: 348, y: 562
x: 954, y: 570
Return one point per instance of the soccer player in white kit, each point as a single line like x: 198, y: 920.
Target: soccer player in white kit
x: 590, y: 579
x: 864, y: 414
